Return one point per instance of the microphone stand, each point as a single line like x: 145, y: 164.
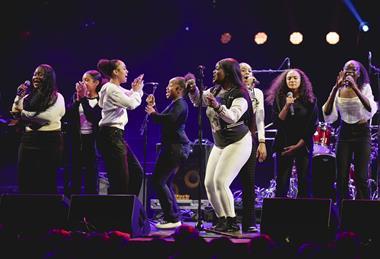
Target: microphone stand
x: 201, y: 158
x: 144, y: 132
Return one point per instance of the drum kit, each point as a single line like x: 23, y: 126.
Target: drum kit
x: 324, y: 140
x: 324, y: 175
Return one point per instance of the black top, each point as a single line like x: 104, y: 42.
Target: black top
x: 173, y: 120
x: 301, y: 125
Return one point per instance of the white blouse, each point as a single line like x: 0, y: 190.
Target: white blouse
x: 352, y: 110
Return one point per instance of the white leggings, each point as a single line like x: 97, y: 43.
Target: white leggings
x: 222, y: 168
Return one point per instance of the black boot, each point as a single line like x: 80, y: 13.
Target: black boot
x: 221, y: 225
x: 232, y: 225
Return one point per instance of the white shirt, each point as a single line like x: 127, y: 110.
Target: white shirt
x: 85, y: 125
x: 352, y: 110
x: 115, y: 101
x: 50, y: 118
x: 258, y: 109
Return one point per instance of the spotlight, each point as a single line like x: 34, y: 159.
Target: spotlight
x: 296, y: 38
x: 363, y: 26
x: 332, y: 38
x: 225, y: 38
x: 260, y: 38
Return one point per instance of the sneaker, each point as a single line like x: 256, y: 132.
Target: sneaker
x: 250, y: 229
x: 168, y: 225
x: 221, y: 225
x: 232, y: 225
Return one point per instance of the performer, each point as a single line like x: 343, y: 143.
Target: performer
x: 229, y: 109
x: 41, y: 145
x: 124, y: 171
x: 352, y: 100
x: 259, y: 150
x: 295, y: 115
x: 83, y: 116
x: 175, y: 148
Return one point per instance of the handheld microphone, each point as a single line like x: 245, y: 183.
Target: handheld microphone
x: 23, y: 90
x: 151, y: 83
x: 369, y: 62
x: 291, y: 108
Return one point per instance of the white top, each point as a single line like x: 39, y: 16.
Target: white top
x: 85, y: 125
x: 50, y: 119
x: 258, y: 109
x: 352, y: 110
x: 115, y: 101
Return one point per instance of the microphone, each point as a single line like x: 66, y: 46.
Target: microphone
x: 369, y: 62
x: 290, y: 94
x: 201, y: 67
x: 21, y: 91
x: 151, y: 83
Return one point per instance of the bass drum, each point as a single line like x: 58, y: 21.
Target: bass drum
x: 324, y: 176
x: 324, y: 139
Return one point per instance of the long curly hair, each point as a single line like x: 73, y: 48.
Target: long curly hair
x: 279, y: 88
x: 45, y: 95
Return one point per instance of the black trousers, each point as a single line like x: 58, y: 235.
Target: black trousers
x: 284, y: 166
x: 247, y: 178
x: 170, y: 158
x: 124, y: 171
x: 353, y: 145
x: 39, y: 157
x: 84, y: 165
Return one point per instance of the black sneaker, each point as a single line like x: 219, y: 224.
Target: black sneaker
x: 221, y: 225
x: 232, y: 225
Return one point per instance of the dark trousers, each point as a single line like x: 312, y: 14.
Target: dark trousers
x: 84, y: 161
x: 124, y: 171
x: 169, y: 160
x: 247, y: 178
x: 354, y: 144
x: 39, y: 157
x: 284, y: 165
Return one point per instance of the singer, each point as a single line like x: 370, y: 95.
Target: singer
x: 175, y: 148
x: 230, y: 114
x: 125, y: 173
x: 293, y: 142
x: 259, y: 151
x: 352, y: 101
x: 83, y: 115
x: 41, y: 144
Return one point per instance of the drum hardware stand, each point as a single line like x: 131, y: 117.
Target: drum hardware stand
x: 293, y: 185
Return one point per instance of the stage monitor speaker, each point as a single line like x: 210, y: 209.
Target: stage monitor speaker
x: 294, y: 221
x: 108, y: 212
x: 362, y: 217
x: 32, y: 213
x: 187, y: 179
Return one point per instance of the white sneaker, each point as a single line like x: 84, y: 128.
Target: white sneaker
x: 168, y: 225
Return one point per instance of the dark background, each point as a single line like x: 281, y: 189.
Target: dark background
x: 151, y: 37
